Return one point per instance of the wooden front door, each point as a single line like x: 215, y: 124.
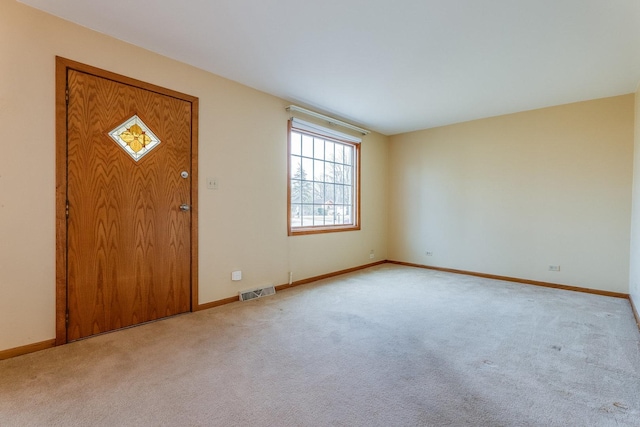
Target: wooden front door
x: 129, y: 205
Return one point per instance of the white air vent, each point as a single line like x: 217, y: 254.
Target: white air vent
x: 257, y: 293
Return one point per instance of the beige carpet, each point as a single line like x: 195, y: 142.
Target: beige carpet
x: 387, y: 346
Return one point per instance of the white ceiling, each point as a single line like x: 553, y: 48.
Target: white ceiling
x: 390, y: 66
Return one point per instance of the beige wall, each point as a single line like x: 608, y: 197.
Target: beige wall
x: 634, y: 276
x: 242, y: 144
x: 511, y: 195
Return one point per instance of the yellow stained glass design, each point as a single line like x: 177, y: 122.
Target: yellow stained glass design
x: 135, y: 137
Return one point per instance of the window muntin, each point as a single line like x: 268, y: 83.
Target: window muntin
x: 323, y: 182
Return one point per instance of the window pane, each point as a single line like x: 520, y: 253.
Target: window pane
x: 348, y: 155
x: 339, y: 153
x: 307, y: 192
x: 319, y: 214
x: 318, y: 148
x: 296, y: 191
x: 328, y: 218
x: 346, y: 218
x: 296, y: 216
x: 348, y: 175
x: 330, y: 193
x: 338, y: 177
x: 296, y: 167
x: 339, y: 214
x: 307, y: 215
x: 296, y: 175
x: 318, y: 189
x: 296, y: 139
x: 307, y: 168
x: 307, y: 146
x: 329, y: 150
x: 349, y: 202
x: 328, y: 172
x: 339, y: 195
x: 318, y: 170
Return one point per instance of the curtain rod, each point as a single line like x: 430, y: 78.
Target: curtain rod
x: 292, y: 108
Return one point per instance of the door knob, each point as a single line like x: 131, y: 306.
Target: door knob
x: 185, y: 207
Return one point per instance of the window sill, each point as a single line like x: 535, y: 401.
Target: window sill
x: 301, y: 231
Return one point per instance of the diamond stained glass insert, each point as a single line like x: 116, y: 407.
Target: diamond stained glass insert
x: 134, y: 137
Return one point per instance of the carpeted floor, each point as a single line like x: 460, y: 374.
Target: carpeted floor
x: 386, y: 346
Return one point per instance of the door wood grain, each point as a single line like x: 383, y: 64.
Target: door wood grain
x: 128, y: 244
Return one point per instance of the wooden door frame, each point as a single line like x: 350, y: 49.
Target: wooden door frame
x: 62, y: 67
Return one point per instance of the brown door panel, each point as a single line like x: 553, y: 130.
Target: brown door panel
x: 128, y: 242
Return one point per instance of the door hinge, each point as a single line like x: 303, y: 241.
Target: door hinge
x: 67, y: 209
x: 66, y: 95
x: 66, y: 318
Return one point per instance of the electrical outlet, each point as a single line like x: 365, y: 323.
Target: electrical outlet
x: 428, y: 253
x: 372, y: 254
x: 554, y: 268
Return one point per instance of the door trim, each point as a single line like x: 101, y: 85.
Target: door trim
x: 62, y: 66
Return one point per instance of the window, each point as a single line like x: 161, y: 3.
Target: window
x: 324, y: 180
